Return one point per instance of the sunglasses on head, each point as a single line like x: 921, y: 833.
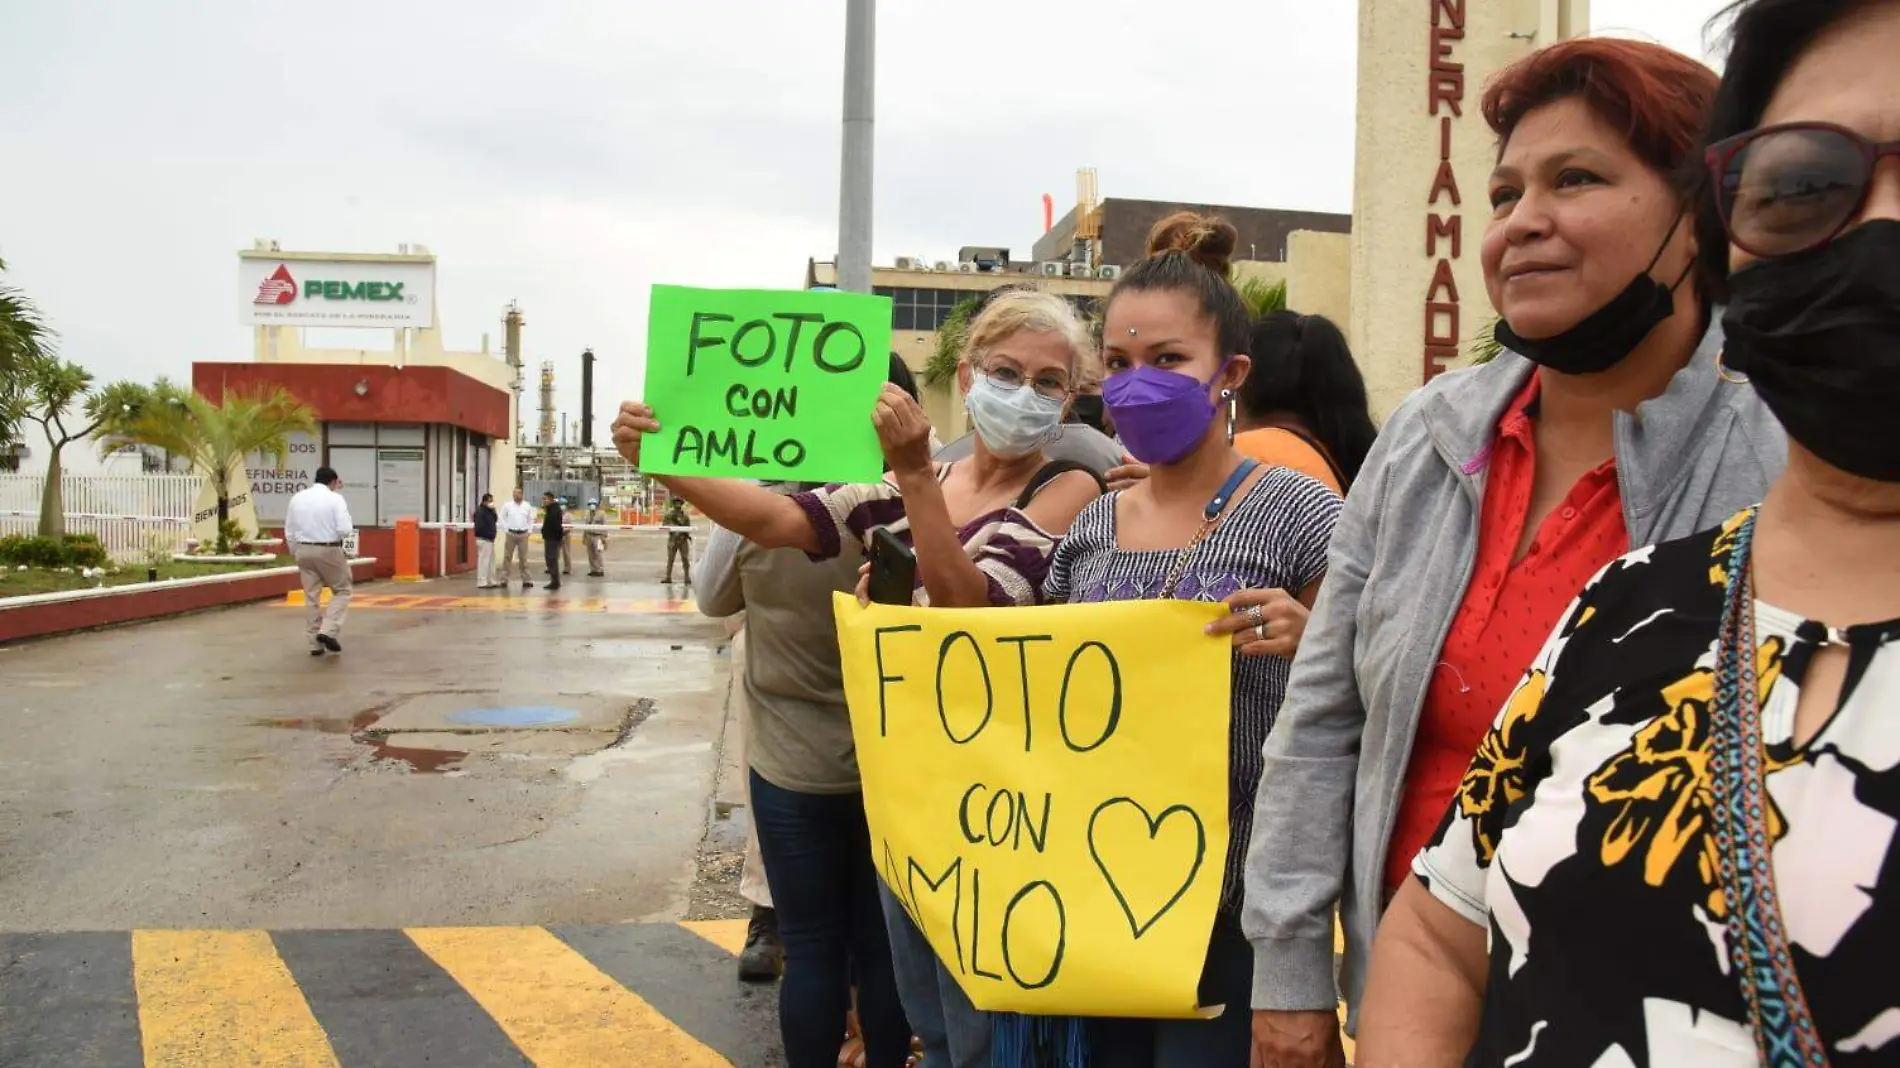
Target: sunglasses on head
x: 1793, y: 187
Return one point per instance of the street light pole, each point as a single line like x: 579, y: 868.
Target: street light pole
x: 854, y: 185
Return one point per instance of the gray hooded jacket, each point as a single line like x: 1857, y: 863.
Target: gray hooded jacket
x: 1399, y: 562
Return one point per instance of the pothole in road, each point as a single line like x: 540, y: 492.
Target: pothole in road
x: 381, y: 746
x: 327, y: 724
x: 430, y: 735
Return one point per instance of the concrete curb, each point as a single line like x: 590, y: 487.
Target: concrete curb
x: 43, y: 614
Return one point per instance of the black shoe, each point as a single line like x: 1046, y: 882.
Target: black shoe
x: 763, y: 958
x: 552, y: 586
x: 329, y: 643
x: 597, y: 574
x: 316, y: 652
x: 526, y: 585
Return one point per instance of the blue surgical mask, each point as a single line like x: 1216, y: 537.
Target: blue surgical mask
x: 1012, y: 422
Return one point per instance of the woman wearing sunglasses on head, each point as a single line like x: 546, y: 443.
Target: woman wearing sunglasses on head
x: 1680, y: 834
x: 1491, y: 496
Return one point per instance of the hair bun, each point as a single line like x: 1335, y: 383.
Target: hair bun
x: 1209, y: 240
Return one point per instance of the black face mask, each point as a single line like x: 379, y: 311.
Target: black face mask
x: 1818, y: 333
x: 1608, y: 335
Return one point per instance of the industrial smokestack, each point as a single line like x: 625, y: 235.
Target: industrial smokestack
x: 548, y: 413
x: 587, y: 398
x: 511, y: 351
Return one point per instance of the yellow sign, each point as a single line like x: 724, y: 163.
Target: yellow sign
x: 1047, y: 792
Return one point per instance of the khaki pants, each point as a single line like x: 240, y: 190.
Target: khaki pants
x: 680, y: 545
x: 596, y: 553
x: 515, y: 546
x: 752, y: 884
x: 484, y: 562
x: 320, y: 566
x: 567, y: 556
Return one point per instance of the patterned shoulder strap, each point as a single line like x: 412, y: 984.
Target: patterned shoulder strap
x: 1783, y: 1027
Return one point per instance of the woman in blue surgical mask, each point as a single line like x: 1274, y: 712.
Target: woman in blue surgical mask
x: 983, y: 529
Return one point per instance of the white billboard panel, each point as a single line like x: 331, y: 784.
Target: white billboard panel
x: 389, y: 294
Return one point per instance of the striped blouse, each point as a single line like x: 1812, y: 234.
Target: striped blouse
x: 1007, y: 546
x: 1273, y: 537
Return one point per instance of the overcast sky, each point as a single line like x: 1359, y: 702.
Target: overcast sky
x: 569, y: 155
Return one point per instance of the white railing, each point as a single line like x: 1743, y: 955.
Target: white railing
x: 130, y: 514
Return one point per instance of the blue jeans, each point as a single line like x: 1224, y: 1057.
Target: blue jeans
x: 817, y: 854
x: 1223, y: 1042
x: 955, y: 1033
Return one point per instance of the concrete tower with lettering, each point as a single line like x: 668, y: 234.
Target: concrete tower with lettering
x: 1422, y: 160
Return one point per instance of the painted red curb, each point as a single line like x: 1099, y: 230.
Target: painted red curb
x: 137, y: 602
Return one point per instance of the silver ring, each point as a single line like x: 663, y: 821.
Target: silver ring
x: 1255, y: 616
x: 1260, y: 632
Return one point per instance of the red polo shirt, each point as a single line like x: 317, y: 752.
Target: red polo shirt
x: 1508, y: 611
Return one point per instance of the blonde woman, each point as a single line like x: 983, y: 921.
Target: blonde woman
x: 983, y: 530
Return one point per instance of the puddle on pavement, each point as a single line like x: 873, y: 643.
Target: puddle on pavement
x: 514, y: 716
x: 420, y: 761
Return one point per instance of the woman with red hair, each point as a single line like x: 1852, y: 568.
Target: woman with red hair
x: 1676, y: 846
x: 1490, y: 498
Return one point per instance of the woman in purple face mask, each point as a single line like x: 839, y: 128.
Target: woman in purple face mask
x: 1207, y: 524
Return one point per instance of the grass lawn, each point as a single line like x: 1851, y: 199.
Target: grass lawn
x: 15, y: 583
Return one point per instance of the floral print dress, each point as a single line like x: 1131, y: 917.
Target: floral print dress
x: 1581, y: 836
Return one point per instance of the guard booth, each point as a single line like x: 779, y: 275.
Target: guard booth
x: 408, y: 442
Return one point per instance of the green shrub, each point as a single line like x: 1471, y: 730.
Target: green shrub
x: 84, y: 550
x: 33, y: 552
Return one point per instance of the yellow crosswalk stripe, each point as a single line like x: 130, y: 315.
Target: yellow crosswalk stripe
x: 556, y: 1006
x: 222, y: 997
x: 728, y: 935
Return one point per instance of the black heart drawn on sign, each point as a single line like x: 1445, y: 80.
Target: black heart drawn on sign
x: 1140, y: 927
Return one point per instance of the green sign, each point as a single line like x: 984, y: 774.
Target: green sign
x: 353, y: 290
x: 765, y: 384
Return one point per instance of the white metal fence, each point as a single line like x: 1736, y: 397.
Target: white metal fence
x: 131, y: 514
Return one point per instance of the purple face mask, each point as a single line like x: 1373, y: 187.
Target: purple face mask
x: 1160, y: 415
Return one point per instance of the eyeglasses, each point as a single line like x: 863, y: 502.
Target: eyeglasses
x: 1793, y: 187
x: 1051, y: 386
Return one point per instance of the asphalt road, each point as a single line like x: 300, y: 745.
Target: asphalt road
x: 208, y: 836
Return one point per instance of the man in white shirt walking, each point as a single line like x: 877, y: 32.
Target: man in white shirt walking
x: 316, y: 522
x: 517, y: 520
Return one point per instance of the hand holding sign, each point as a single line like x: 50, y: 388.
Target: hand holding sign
x: 634, y: 422
x: 759, y: 384
x: 903, y: 430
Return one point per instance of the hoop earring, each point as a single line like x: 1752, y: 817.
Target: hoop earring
x: 1726, y: 375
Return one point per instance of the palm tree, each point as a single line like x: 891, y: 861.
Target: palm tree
x: 1484, y: 346
x: 24, y: 340
x: 1261, y: 295
x: 215, y: 437
x: 44, y: 389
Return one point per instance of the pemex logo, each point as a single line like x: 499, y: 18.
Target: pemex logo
x: 279, y: 288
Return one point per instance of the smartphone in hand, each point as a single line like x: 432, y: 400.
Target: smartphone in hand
x: 893, y: 569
